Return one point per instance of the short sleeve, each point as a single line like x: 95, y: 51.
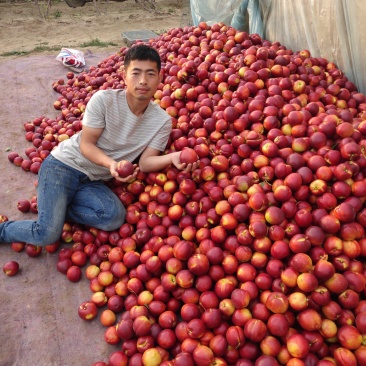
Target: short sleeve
x: 95, y: 111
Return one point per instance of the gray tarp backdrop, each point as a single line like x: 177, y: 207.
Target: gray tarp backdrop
x: 333, y: 29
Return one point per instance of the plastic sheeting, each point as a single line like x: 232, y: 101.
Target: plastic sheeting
x: 240, y: 14
x: 213, y: 11
x: 333, y: 29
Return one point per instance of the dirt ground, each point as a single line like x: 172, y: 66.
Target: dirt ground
x: 23, y: 29
x: 39, y: 324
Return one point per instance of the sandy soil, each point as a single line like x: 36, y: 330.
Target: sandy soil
x: 39, y: 324
x: 23, y: 29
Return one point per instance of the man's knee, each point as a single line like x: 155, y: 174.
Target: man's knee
x: 46, y: 237
x: 114, y: 222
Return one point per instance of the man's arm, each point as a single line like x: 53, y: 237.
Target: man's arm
x: 88, y: 147
x: 152, y: 161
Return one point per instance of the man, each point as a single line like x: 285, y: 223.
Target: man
x: 117, y: 125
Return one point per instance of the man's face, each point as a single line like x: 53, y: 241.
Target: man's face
x: 142, y: 79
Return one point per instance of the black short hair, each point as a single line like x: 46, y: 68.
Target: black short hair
x: 142, y: 52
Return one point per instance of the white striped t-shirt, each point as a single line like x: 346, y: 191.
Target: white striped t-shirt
x: 125, y: 136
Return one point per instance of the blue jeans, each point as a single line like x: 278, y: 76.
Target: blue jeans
x: 65, y: 193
